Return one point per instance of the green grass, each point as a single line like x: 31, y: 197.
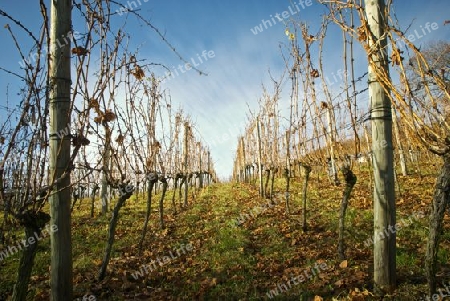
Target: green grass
x: 244, y: 262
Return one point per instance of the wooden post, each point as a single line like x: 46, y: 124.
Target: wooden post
x: 369, y: 154
x: 209, y: 168
x: 60, y: 81
x: 287, y: 171
x: 186, y: 154
x: 244, y: 161
x: 200, y: 177
x: 331, y: 141
x: 261, y: 186
x: 383, y: 167
x: 106, y: 166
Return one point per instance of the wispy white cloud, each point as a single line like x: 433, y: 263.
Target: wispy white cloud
x: 219, y: 101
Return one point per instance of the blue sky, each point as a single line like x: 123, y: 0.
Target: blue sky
x: 218, y: 102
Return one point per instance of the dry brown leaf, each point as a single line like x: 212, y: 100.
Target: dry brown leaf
x: 93, y: 103
x: 109, y: 116
x: 97, y: 119
x: 80, y: 140
x: 120, y: 139
x: 79, y: 51
x: 138, y: 72
x: 343, y: 264
x: 315, y: 73
x: 339, y: 283
x: 396, y: 58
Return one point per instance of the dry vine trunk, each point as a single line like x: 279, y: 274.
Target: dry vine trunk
x: 286, y: 175
x: 33, y: 222
x: 125, y: 194
x: 161, y: 202
x: 180, y: 193
x: 266, y: 184
x: 175, y: 188
x: 307, y: 170
x: 401, y: 152
x: 350, y: 181
x: 186, y: 190
x: 441, y: 199
x: 94, y: 191
x: 152, y: 179
x: 273, y: 171
x: 76, y: 197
